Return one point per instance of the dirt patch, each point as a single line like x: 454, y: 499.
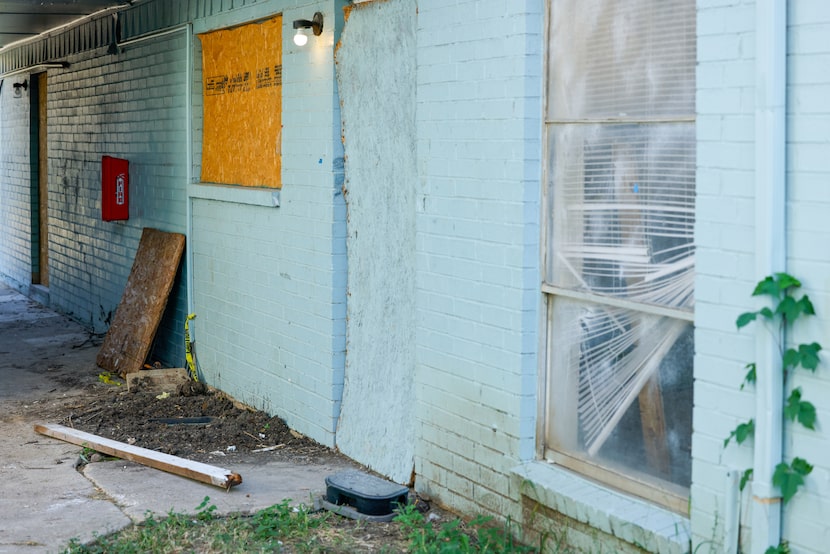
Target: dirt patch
x: 234, y: 433
x: 206, y: 426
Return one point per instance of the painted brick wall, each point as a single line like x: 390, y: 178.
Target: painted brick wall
x: 378, y: 47
x: 478, y: 153
x: 725, y: 241
x: 15, y: 195
x: 808, y: 229
x: 270, y: 283
x: 725, y: 262
x: 130, y: 105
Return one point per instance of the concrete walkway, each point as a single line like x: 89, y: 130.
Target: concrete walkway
x: 46, y: 361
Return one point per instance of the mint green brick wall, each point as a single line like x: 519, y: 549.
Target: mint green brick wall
x: 129, y: 105
x: 269, y: 283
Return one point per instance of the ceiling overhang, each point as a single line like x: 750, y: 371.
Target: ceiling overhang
x: 24, y: 19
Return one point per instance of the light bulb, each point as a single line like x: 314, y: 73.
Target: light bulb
x: 300, y: 39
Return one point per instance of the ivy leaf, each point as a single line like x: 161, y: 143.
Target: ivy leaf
x: 786, y: 281
x: 790, y: 478
x: 806, y: 356
x: 804, y: 412
x: 787, y: 308
x: 741, y: 433
x: 775, y: 285
x: 809, y: 355
x: 766, y: 312
x: 782, y: 548
x: 768, y: 286
x: 791, y: 309
x: 751, y: 375
x: 786, y: 480
x: 806, y: 306
x: 745, y: 319
x: 791, y: 358
x: 745, y: 477
x: 802, y: 466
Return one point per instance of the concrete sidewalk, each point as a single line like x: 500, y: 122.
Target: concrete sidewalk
x: 47, y: 360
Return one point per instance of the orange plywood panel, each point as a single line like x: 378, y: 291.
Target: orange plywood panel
x: 242, y: 92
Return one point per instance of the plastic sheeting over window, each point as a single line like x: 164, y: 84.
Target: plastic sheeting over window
x: 620, y: 218
x: 623, y: 221
x: 631, y: 59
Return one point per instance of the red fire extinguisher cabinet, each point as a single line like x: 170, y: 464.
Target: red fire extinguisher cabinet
x: 115, y: 189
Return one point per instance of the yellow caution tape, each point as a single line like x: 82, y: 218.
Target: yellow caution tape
x: 188, y: 349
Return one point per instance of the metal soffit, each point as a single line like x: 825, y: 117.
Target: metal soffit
x: 23, y: 19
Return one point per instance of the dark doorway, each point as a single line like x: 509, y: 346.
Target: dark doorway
x: 39, y: 180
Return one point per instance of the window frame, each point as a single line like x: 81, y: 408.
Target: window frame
x: 670, y: 495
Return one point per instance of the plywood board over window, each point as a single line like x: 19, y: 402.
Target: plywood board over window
x: 242, y: 91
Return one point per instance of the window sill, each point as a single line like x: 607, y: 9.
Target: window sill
x: 627, y: 518
x: 268, y: 197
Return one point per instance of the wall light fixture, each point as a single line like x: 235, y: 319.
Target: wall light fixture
x: 315, y: 24
x: 20, y: 87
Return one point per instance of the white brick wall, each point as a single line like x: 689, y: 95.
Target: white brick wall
x: 724, y: 239
x: 15, y: 245
x: 725, y: 262
x: 479, y: 135
x: 805, y: 517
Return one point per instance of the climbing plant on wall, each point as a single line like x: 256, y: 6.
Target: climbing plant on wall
x: 786, y: 308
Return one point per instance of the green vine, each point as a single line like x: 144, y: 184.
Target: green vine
x: 785, y: 310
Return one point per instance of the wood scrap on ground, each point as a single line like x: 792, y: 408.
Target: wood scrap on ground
x: 158, y: 380
x: 198, y: 471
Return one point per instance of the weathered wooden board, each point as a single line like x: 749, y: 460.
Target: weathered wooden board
x: 198, y: 471
x: 158, y: 380
x: 139, y: 313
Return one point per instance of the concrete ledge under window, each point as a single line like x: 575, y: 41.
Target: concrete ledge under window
x: 642, y: 525
x: 269, y: 197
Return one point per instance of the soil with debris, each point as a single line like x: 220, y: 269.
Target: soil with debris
x: 234, y: 433
x: 204, y: 426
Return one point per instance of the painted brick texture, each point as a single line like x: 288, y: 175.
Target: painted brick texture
x: 724, y: 241
x: 130, y: 105
x: 805, y: 517
x: 725, y: 254
x: 477, y: 253
x: 270, y: 283
x: 15, y: 194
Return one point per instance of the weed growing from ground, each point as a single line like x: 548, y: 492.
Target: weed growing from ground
x: 480, y: 535
x: 294, y: 528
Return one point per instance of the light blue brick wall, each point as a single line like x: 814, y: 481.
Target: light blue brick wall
x: 477, y: 253
x: 130, y: 105
x: 725, y: 261
x: 270, y: 283
x: 15, y: 192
